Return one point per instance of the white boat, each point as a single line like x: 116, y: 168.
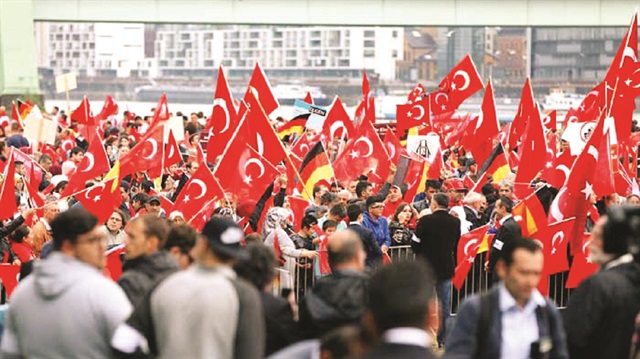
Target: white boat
x: 560, y: 100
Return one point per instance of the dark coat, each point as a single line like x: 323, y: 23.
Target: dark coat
x: 439, y: 234
x: 462, y: 341
x: 369, y: 243
x: 508, y: 232
x: 140, y: 275
x: 476, y: 221
x: 181, y: 182
x: 599, y: 319
x: 336, y: 300
x: 392, y: 350
x: 280, y: 326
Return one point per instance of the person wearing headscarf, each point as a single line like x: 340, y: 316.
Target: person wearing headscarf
x: 276, y: 230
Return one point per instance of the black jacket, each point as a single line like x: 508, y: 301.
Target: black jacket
x: 476, y: 220
x: 140, y: 275
x: 280, y: 326
x: 439, y: 234
x: 181, y: 182
x: 508, y: 232
x: 336, y: 300
x: 369, y: 243
x: 599, y: 319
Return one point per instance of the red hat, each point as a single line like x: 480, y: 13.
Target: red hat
x: 457, y: 184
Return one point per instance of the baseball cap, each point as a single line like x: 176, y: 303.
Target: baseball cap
x: 154, y: 198
x: 224, y: 236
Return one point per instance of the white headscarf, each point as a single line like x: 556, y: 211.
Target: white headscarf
x: 464, y: 224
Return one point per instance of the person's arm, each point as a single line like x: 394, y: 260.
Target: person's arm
x: 257, y: 211
x: 462, y: 340
x: 250, y: 336
x: 579, y: 327
x: 10, y: 347
x: 17, y: 222
x: 387, y: 241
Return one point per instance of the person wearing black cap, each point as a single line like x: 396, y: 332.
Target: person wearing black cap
x: 204, y: 311
x: 154, y: 206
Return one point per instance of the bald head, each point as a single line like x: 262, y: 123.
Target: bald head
x: 345, y: 251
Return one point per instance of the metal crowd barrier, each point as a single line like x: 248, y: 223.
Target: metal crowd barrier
x: 478, y: 281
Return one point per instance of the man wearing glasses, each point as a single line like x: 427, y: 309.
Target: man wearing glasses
x: 374, y: 220
x: 66, y: 308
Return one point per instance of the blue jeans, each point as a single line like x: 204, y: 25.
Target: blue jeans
x: 443, y: 291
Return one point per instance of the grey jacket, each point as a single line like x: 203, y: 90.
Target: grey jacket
x: 65, y: 309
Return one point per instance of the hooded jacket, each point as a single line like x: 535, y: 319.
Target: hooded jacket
x: 65, y: 309
x: 336, y: 300
x: 140, y: 275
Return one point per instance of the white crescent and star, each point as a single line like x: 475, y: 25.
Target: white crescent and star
x: 257, y: 163
x: 260, y: 144
x: 90, y: 161
x: 466, y: 246
x: 629, y: 81
x: 220, y: 102
x: 154, y: 148
x: 465, y: 77
x: 436, y: 100
x: 203, y: 187
x: 97, y: 197
x: 554, y: 210
x: 557, y: 236
x: 334, y: 128
x: 392, y: 151
x: 369, y: 145
x: 421, y: 109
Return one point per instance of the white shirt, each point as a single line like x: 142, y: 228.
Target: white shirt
x: 519, y: 325
x: 407, y: 336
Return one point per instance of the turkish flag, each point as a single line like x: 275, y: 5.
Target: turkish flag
x: 260, y: 88
x: 7, y: 189
x: 255, y: 130
x: 466, y: 253
x: 416, y: 94
x: 101, y: 199
x: 308, y: 98
x: 561, y: 169
x: 526, y: 108
x: 533, y: 150
x: 146, y: 155
x: 243, y: 172
x: 366, y: 112
x: 338, y: 124
x: 200, y: 189
x: 113, y: 267
x: 487, y: 125
x: 82, y: 114
x: 554, y: 239
x: 581, y: 267
x: 108, y: 108
x: 94, y: 163
x: 9, y: 276
x: 32, y: 167
x: 412, y: 115
x: 297, y: 206
x: 172, y: 154
x: 161, y: 112
x: 393, y: 147
x: 604, y: 183
x: 303, y: 145
x: 363, y: 154
x: 223, y: 121
x: 435, y: 169
x: 460, y: 83
x: 550, y: 121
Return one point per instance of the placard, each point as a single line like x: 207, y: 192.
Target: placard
x: 66, y: 82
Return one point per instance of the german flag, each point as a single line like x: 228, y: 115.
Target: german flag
x: 530, y: 215
x: 496, y: 165
x: 20, y: 110
x: 315, y: 167
x: 297, y: 126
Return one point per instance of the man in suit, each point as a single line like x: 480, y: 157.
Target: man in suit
x: 474, y: 205
x: 369, y: 243
x: 512, y: 320
x: 402, y: 310
x: 191, y: 168
x: 437, y: 236
x: 509, y: 230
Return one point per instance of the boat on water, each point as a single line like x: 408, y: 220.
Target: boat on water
x: 286, y: 93
x: 560, y: 100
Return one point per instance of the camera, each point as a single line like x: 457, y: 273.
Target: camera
x: 623, y: 224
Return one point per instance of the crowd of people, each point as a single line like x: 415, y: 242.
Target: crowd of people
x: 364, y: 274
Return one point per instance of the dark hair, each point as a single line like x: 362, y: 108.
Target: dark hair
x: 338, y: 210
x: 69, y: 225
x: 510, y: 247
x: 488, y: 189
x: 399, y: 295
x: 373, y: 200
x: 122, y: 216
x: 308, y: 221
x: 76, y: 150
x: 353, y: 212
x: 441, y: 199
x: 507, y: 203
x: 432, y: 183
x: 146, y: 186
x: 45, y: 157
x: 401, y: 208
x: 140, y: 197
x: 155, y: 226
x: 190, y: 163
x: 19, y: 234
x: 253, y: 237
x: 59, y: 187
x: 328, y: 197
x: 361, y: 187
x: 259, y: 268
x: 329, y: 223
x: 347, y: 251
x: 317, y: 189
x: 182, y: 236
x: 342, y: 341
